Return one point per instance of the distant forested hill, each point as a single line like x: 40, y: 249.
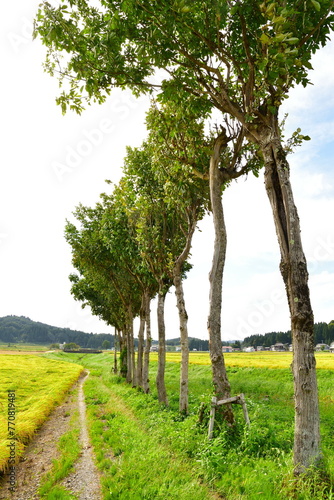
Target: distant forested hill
x: 323, y: 334
x: 22, y: 329
x: 194, y: 343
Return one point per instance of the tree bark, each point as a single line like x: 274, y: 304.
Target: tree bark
x: 123, y: 352
x: 146, y: 386
x: 183, y: 319
x: 115, y: 351
x: 141, y: 342
x: 131, y: 366
x: 293, y: 268
x: 128, y: 355
x: 183, y: 316
x: 220, y: 381
x: 160, y: 380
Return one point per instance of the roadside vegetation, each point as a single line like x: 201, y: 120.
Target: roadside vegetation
x: 39, y: 385
x: 146, y: 450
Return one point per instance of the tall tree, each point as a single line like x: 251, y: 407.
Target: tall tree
x: 205, y: 164
x: 125, y: 194
x: 166, y: 215
x: 243, y: 56
x: 100, y: 265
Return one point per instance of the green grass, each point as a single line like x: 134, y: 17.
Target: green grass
x: 145, y: 450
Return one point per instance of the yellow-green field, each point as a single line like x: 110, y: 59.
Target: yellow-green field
x: 23, y: 347
x: 38, y: 384
x: 260, y: 359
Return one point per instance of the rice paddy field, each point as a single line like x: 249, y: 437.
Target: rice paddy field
x: 18, y: 348
x: 30, y: 387
x: 261, y: 359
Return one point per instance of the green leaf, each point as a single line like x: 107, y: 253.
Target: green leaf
x: 292, y: 40
x: 273, y: 110
x: 279, y: 19
x: 316, y: 5
x: 265, y: 39
x: 270, y: 8
x: 273, y: 75
x: 280, y: 37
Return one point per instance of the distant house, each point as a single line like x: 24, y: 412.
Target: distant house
x: 278, y: 347
x: 259, y: 348
x: 154, y: 348
x: 331, y: 347
x: 227, y: 348
x: 61, y: 346
x: 322, y: 347
x: 249, y: 349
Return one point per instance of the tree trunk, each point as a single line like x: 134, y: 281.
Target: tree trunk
x: 133, y: 357
x: 115, y: 351
x: 162, y: 394
x: 183, y: 319
x: 146, y: 387
x: 141, y: 342
x: 183, y: 316
x: 128, y: 355
x: 123, y: 353
x: 293, y: 268
x: 131, y: 366
x: 219, y: 375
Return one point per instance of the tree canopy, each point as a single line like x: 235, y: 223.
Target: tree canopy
x: 241, y: 57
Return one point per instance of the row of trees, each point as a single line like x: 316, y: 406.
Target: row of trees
x: 134, y: 244
x: 237, y: 58
x: 323, y: 334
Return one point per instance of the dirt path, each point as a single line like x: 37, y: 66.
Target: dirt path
x: 83, y: 481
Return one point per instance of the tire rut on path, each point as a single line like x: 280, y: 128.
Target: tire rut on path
x: 83, y: 481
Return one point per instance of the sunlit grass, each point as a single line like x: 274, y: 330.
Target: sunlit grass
x: 39, y: 385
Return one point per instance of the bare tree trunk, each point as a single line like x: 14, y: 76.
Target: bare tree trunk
x: 183, y: 319
x: 128, y: 355
x: 115, y: 350
x: 123, y: 353
x: 183, y: 316
x: 133, y: 357
x: 141, y: 342
x: 146, y: 387
x: 219, y: 375
x: 293, y: 268
x: 131, y: 366
x: 162, y: 394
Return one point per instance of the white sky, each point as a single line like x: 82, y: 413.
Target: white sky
x: 51, y: 163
